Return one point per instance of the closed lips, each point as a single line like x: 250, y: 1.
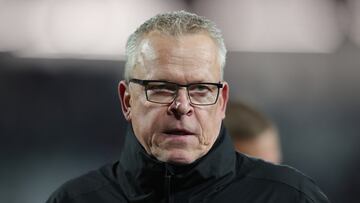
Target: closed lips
x: 178, y: 132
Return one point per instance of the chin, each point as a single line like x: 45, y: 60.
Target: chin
x: 180, y: 158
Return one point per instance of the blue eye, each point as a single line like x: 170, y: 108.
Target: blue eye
x: 201, y: 88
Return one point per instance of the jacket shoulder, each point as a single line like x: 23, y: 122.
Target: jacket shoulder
x: 90, y: 182
x: 259, y: 170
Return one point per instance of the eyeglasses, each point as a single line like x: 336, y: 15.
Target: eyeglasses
x: 163, y: 92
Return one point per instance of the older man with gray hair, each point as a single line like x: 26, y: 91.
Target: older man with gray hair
x: 176, y: 148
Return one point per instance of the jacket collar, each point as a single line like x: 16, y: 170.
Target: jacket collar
x: 140, y: 174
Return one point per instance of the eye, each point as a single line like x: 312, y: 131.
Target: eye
x: 161, y: 87
x: 200, y: 88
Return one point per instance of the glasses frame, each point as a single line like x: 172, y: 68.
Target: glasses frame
x: 144, y: 83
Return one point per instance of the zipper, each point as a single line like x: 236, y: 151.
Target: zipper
x: 167, y: 189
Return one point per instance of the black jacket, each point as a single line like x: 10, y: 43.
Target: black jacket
x: 220, y: 176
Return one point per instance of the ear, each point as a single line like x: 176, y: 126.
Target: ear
x: 224, y: 98
x: 124, y: 97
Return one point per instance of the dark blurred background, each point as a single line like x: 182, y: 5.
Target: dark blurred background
x: 61, y: 61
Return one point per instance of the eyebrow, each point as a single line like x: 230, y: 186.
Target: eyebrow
x: 195, y: 81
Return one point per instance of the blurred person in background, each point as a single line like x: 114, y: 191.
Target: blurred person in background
x: 176, y: 148
x: 252, y: 132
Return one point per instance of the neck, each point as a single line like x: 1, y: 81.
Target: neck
x: 148, y: 173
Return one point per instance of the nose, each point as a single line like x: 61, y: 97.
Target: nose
x: 181, y: 104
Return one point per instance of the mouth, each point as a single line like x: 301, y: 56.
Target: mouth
x: 178, y: 132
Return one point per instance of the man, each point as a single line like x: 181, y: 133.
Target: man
x: 176, y: 149
x: 252, y: 133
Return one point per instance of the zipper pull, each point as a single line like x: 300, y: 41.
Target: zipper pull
x: 167, y: 189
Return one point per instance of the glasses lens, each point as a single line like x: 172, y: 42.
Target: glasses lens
x: 203, y: 94
x: 161, y: 92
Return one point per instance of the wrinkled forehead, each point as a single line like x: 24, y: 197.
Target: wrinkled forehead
x: 189, y: 52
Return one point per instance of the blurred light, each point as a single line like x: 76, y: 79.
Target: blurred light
x: 75, y: 28
x: 12, y: 26
x: 354, y: 29
x: 99, y: 29
x: 275, y: 26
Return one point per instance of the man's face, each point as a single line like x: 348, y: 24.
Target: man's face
x: 178, y: 132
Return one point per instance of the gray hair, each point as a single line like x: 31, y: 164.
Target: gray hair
x: 174, y: 23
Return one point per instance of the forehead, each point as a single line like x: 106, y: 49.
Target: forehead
x: 185, y: 58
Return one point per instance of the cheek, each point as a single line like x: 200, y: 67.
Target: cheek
x: 210, y: 122
x: 146, y: 121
